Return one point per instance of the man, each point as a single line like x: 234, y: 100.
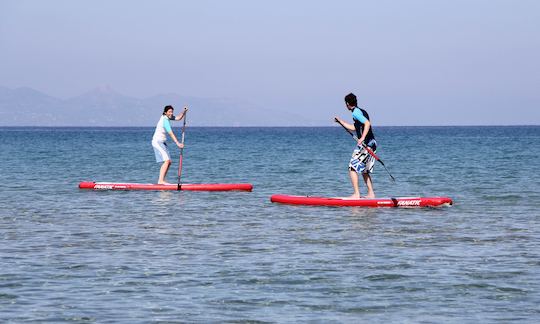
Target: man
x: 361, y: 161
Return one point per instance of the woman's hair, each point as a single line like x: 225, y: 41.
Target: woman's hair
x: 167, y: 108
x: 351, y: 100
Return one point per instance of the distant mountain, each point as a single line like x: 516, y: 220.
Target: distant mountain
x: 105, y: 107
x: 25, y: 106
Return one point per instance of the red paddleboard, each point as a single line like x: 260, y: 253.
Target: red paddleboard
x: 408, y: 202
x: 153, y: 186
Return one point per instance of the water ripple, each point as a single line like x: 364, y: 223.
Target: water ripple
x: 69, y: 255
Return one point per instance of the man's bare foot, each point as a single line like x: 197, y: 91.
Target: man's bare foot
x: 372, y: 196
x: 352, y: 197
x: 164, y: 183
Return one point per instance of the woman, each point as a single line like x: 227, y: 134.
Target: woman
x: 160, y: 137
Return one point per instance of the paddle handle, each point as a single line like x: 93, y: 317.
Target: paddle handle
x: 345, y: 128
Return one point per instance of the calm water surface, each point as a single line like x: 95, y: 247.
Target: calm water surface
x: 69, y: 255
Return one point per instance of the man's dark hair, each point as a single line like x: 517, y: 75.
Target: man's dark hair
x: 351, y: 100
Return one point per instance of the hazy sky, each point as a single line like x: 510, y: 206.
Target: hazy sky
x: 411, y: 62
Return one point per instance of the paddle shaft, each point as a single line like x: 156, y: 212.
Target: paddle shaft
x: 181, y: 152
x: 369, y: 150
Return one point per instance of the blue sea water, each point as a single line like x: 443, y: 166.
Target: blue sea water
x: 70, y: 255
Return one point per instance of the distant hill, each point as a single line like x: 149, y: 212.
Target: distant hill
x: 105, y: 107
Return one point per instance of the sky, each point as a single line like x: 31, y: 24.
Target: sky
x: 410, y: 62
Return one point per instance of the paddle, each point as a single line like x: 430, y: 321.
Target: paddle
x: 366, y: 147
x: 181, y: 152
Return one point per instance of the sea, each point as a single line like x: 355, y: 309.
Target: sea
x: 83, y: 256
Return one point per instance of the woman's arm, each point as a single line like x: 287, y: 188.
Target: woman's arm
x: 183, y: 114
x: 173, y: 137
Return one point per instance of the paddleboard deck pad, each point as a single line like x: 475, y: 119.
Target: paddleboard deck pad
x: 153, y: 186
x: 404, y: 202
